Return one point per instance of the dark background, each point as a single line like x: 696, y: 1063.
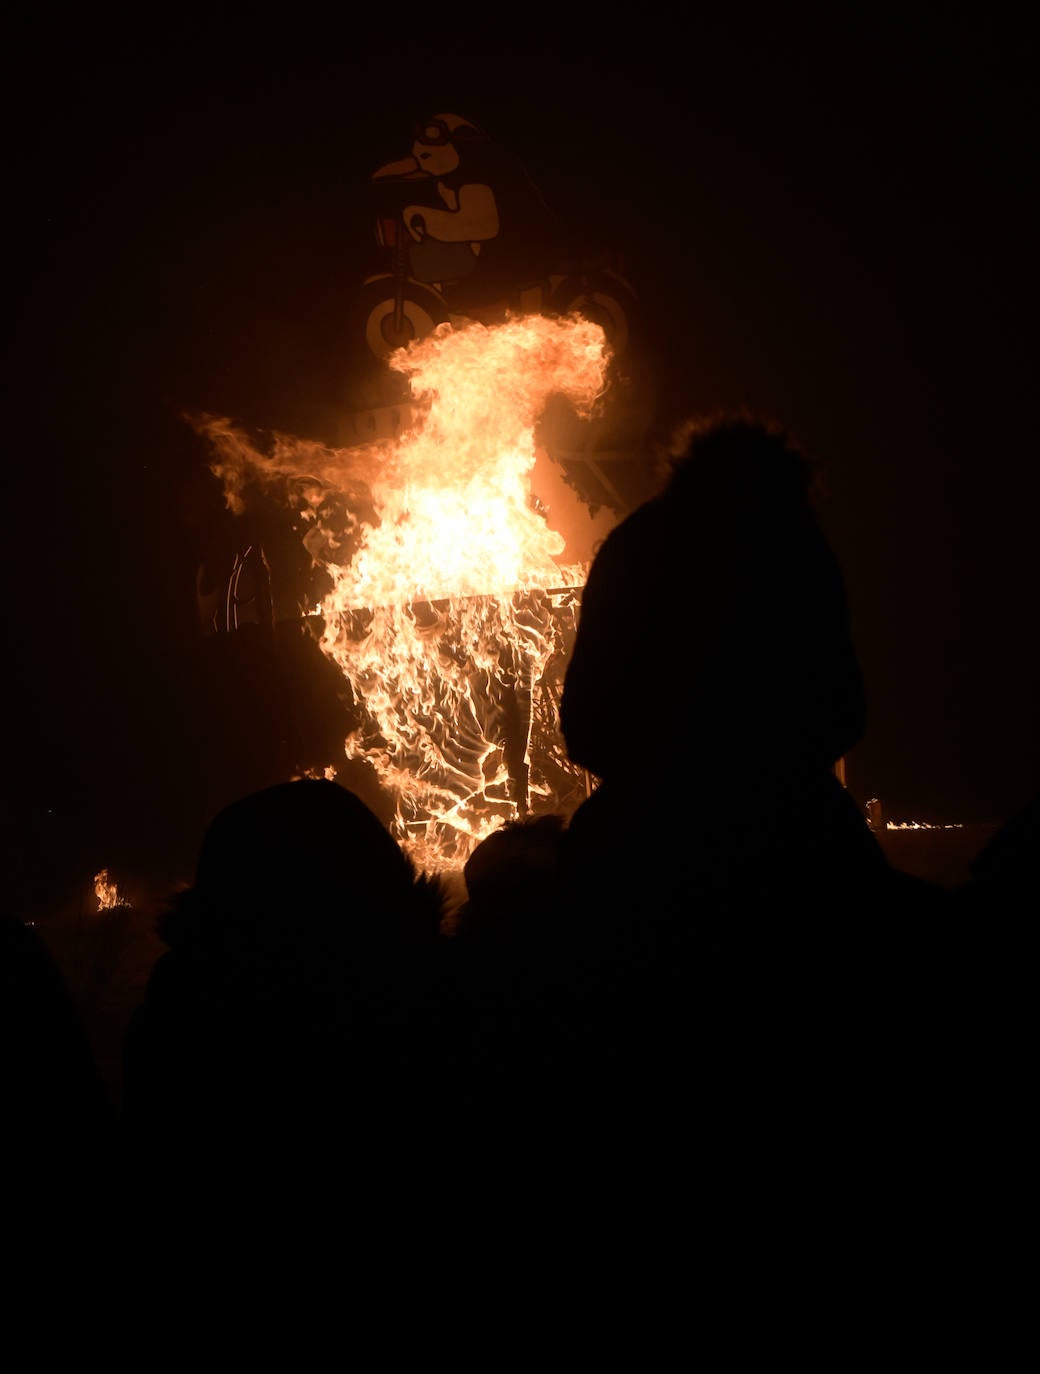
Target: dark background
x: 829, y: 220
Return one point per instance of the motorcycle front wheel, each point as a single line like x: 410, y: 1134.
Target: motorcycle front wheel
x: 602, y: 297
x: 421, y: 312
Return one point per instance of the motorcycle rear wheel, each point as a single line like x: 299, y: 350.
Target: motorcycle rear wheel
x: 422, y: 311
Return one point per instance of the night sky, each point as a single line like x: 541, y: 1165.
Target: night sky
x: 829, y: 221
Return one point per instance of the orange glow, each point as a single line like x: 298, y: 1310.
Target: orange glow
x: 106, y: 891
x: 919, y: 825
x: 449, y: 596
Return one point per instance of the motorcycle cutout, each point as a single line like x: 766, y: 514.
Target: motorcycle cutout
x: 463, y: 234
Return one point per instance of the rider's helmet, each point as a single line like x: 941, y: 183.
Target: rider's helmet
x: 436, y: 142
x: 445, y: 128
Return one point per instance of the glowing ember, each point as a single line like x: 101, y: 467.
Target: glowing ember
x: 106, y: 891
x: 919, y: 825
x: 447, y: 602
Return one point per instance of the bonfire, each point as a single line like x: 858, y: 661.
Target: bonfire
x: 447, y: 603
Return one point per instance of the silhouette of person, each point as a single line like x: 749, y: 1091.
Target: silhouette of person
x: 713, y: 684
x: 512, y: 875
x: 289, y: 1005
x: 535, y: 1043
x: 756, y: 923
x: 1005, y: 875
x: 53, y: 1091
x: 992, y: 983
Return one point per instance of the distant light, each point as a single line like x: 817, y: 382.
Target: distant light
x: 920, y: 825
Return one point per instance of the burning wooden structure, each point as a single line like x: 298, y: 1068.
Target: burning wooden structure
x: 440, y: 589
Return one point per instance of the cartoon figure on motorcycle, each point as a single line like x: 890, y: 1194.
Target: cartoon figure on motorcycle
x: 465, y: 234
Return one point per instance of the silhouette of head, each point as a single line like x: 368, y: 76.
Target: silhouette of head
x: 714, y: 629
x: 511, y: 873
x: 307, y: 853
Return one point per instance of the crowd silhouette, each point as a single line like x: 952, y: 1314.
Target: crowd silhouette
x: 710, y: 964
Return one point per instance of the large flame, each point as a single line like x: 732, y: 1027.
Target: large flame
x: 447, y: 598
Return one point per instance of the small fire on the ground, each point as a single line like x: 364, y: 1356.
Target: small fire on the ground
x: 107, y: 891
